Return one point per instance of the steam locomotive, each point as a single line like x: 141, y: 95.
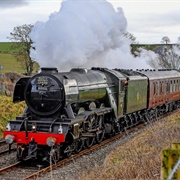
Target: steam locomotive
x: 69, y: 111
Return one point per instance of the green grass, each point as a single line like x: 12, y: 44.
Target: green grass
x: 5, y: 47
x: 9, y: 64
x: 8, y: 61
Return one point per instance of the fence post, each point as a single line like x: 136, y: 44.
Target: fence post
x: 170, y: 162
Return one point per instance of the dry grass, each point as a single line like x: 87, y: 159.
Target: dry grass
x: 140, y: 158
x: 8, y: 111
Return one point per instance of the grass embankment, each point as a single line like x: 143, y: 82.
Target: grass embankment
x: 8, y: 111
x: 140, y: 158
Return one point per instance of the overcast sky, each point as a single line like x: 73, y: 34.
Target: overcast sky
x: 148, y: 20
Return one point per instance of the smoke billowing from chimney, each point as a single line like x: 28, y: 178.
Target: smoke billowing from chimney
x: 83, y: 34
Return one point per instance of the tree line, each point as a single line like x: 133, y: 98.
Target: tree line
x: 167, y: 57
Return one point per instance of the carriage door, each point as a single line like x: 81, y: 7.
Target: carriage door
x: 121, y: 97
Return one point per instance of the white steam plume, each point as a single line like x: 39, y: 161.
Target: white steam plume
x: 83, y: 34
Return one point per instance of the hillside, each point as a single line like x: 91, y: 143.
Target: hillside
x: 9, y: 64
x: 5, y: 48
x: 8, y: 61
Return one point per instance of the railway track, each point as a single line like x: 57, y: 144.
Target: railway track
x: 2, y: 142
x: 18, y: 170
x: 4, y: 148
x: 36, y: 172
x: 39, y: 171
x: 86, y: 151
x: 10, y: 167
x: 7, y: 151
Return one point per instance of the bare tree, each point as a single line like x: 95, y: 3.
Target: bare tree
x: 131, y: 37
x: 134, y: 44
x: 22, y: 44
x: 168, y: 58
x: 165, y: 40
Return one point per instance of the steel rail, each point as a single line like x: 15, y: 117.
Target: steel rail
x: 7, y: 150
x: 9, y: 167
x: 2, y: 142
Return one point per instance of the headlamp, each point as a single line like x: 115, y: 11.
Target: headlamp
x: 51, y: 141
x: 34, y: 127
x: 9, y: 139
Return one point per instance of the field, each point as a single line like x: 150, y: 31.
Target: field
x: 8, y: 61
x: 9, y: 64
x: 5, y: 47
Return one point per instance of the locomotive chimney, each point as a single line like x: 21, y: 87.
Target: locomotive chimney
x: 49, y: 70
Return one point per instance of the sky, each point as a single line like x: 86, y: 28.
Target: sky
x: 147, y: 20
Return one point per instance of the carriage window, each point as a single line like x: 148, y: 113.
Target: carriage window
x: 122, y: 86
x: 157, y: 86
x: 171, y: 89
x: 177, y: 85
x: 160, y: 88
x: 154, y: 88
x: 168, y: 87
